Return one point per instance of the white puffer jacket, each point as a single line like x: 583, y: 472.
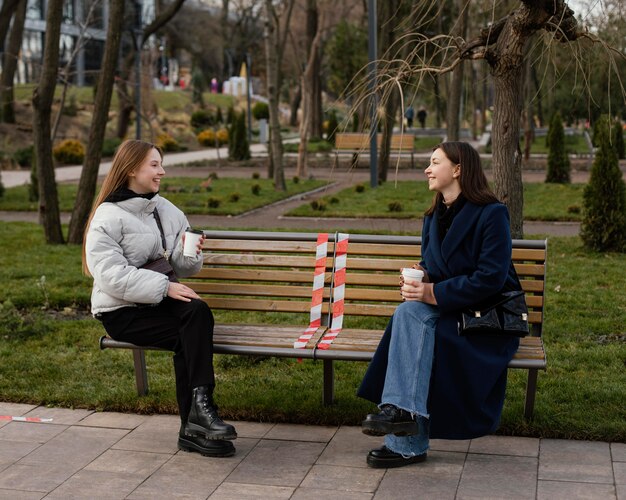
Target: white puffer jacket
x: 122, y: 237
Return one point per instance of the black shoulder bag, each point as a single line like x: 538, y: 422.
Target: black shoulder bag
x: 162, y: 264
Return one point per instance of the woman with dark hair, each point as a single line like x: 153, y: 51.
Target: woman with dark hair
x: 429, y: 381
x: 130, y: 226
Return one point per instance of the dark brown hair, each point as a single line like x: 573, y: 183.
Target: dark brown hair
x: 474, y: 184
x: 128, y: 158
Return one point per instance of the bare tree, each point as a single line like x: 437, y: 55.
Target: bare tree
x: 275, y: 39
x: 502, y: 45
x: 42, y: 106
x: 456, y: 85
x: 102, y: 102
x: 6, y: 14
x: 9, y: 64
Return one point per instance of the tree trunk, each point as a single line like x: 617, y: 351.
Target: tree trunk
x: 6, y: 13
x: 391, y: 110
x: 315, y: 111
x: 42, y: 104
x: 456, y: 87
x: 102, y: 102
x: 7, y: 110
x: 125, y: 101
x: 529, y: 123
x: 295, y: 105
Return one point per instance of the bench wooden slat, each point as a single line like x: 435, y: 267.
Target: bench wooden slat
x: 239, y: 274
x: 255, y: 260
x: 260, y: 246
x: 236, y: 304
x: 243, y: 290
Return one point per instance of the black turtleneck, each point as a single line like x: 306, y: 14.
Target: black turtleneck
x: 445, y: 215
x: 124, y: 193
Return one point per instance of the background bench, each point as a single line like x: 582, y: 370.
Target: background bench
x: 356, y: 143
x: 272, y: 273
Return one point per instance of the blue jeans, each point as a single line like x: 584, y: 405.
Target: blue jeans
x: 408, y: 371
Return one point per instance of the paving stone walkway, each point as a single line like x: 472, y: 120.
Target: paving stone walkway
x: 84, y: 454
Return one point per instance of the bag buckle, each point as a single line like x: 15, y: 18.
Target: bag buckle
x: 525, y: 316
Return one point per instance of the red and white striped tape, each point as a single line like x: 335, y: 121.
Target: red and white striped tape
x: 339, y: 291
x: 321, y: 253
x: 24, y: 419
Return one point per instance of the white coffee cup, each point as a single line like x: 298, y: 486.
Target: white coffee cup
x: 192, y: 238
x: 412, y: 274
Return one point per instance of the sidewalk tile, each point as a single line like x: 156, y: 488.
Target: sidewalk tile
x: 438, y: 478
x: 30, y: 432
x: 20, y: 495
x: 131, y: 462
x: 581, y: 461
x: 568, y: 490
x: 15, y: 409
x: 316, y: 494
x: 157, y: 434
x: 618, y: 452
x: 93, y: 484
x: 292, y: 432
x: 277, y: 463
x: 113, y: 420
x: 63, y: 416
x: 187, y: 475
x: 461, y: 446
x: 494, y: 476
x: 621, y: 491
x: 619, y: 471
x: 348, y: 447
x: 506, y: 445
x: 340, y: 478
x: 12, y: 451
x: 251, y: 429
x: 34, y: 477
x: 239, y: 491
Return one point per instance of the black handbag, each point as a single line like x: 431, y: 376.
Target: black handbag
x: 506, y: 315
x: 162, y: 264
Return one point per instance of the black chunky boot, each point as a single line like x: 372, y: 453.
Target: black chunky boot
x: 203, y: 418
x: 390, y: 420
x: 206, y: 447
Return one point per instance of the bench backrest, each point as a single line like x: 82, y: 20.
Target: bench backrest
x: 373, y: 272
x: 260, y: 271
x: 361, y: 142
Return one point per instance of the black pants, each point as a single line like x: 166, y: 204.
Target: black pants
x: 183, y: 327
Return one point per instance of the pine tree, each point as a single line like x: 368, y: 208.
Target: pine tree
x: 558, y: 161
x: 604, y: 199
x: 238, y: 147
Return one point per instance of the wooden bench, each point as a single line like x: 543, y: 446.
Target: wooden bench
x: 271, y: 272
x: 356, y: 143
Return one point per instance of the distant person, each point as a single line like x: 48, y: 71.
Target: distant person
x: 409, y: 114
x: 421, y: 117
x: 130, y: 226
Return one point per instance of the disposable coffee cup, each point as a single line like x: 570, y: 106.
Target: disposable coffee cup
x: 412, y: 274
x: 192, y: 237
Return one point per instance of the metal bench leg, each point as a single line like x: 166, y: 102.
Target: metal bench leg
x: 531, y: 389
x: 141, y: 374
x: 329, y: 382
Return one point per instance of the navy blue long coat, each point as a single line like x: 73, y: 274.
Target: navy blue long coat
x: 468, y: 380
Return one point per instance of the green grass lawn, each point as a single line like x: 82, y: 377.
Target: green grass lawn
x: 49, y: 353
x: 557, y: 202
x: 228, y: 196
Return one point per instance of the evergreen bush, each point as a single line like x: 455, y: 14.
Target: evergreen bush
x: 261, y: 111
x: 238, y: 147
x: 604, y: 199
x: 558, y: 161
x: 24, y: 156
x: 202, y: 119
x: 206, y: 138
x: 620, y: 146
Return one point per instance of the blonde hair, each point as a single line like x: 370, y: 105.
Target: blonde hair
x: 128, y: 158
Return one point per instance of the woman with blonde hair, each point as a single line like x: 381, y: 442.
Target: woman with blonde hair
x: 130, y: 226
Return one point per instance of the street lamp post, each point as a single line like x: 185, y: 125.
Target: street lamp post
x: 248, y: 97
x: 138, y: 33
x: 371, y: 71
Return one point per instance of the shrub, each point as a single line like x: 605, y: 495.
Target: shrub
x: 618, y: 140
x: 234, y: 197
x: 238, y: 147
x: 256, y: 189
x: 110, y: 145
x: 218, y: 116
x: 24, y: 156
x: 167, y: 143
x: 296, y: 179
x: 261, y: 111
x: 256, y: 175
x: 573, y: 209
x: 213, y: 202
x: 319, y: 205
x: 69, y: 151
x: 70, y: 108
x: 395, y: 206
x: 222, y: 136
x: 334, y: 200
x: 359, y: 188
x: 558, y: 161
x: 202, y: 119
x: 604, y: 200
x: 213, y: 175
x: 230, y: 115
x: 206, y: 138
x: 1, y: 188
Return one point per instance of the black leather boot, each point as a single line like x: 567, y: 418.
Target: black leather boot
x: 206, y: 447
x: 203, y: 418
x: 390, y: 420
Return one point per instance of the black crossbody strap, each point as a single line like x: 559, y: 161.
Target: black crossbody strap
x: 163, y: 242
